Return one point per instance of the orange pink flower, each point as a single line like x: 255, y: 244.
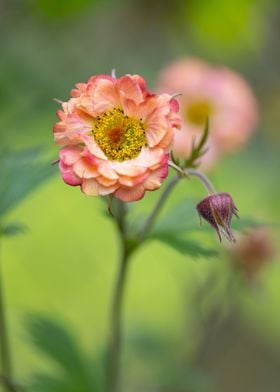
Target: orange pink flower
x: 116, y: 136
x: 218, y: 93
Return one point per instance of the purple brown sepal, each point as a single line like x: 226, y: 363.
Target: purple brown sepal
x: 217, y: 210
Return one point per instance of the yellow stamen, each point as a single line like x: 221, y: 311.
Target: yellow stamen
x: 120, y: 137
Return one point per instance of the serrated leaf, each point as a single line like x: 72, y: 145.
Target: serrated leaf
x: 13, y: 229
x: 187, y: 246
x: 20, y: 172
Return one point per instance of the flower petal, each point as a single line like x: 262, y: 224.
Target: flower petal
x: 130, y: 89
x: 105, y: 96
x: 92, y: 188
x: 130, y: 194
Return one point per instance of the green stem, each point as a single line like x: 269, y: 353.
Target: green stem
x: 202, y: 177
x: 115, y: 337
x: 128, y: 245
x: 115, y: 333
x: 195, y: 173
x: 5, y: 357
x: 162, y: 199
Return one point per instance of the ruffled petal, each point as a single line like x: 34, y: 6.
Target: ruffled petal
x: 156, y: 178
x: 130, y: 89
x: 84, y: 170
x: 105, y: 96
x: 132, y: 181
x: 130, y: 194
x: 127, y: 168
x: 70, y: 155
x: 92, y: 188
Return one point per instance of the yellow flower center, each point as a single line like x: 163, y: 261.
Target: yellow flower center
x: 198, y: 112
x: 120, y: 137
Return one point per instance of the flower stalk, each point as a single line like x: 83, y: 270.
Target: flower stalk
x: 195, y: 173
x: 158, y: 207
x: 118, y: 210
x: 115, y: 333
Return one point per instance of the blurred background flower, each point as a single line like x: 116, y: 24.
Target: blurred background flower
x: 255, y: 249
x: 63, y: 267
x: 217, y: 93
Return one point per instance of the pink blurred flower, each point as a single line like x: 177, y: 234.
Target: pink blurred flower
x: 116, y: 136
x: 253, y: 251
x: 215, y: 92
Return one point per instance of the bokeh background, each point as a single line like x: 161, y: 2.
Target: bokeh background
x: 191, y: 324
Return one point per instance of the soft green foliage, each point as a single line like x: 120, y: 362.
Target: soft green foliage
x: 187, y: 246
x: 12, y: 229
x: 60, y: 9
x: 231, y: 26
x: 175, y: 227
x: 76, y: 372
x: 161, y: 355
x: 21, y: 172
x: 181, y: 217
x: 179, y: 220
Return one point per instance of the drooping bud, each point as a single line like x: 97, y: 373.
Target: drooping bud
x: 217, y: 209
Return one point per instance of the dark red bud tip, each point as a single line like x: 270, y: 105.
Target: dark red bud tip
x: 217, y: 210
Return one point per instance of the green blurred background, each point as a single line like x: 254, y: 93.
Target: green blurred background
x: 63, y: 266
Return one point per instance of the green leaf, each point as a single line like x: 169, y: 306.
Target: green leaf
x: 44, y: 383
x: 61, y: 9
x: 13, y: 229
x: 180, y: 218
x: 249, y: 223
x: 21, y: 172
x: 55, y: 342
x: 187, y: 246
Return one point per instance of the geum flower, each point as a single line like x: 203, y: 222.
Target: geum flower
x: 213, y: 92
x: 116, y: 136
x: 217, y: 209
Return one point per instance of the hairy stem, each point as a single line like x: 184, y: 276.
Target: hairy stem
x: 202, y: 177
x: 5, y: 357
x: 196, y: 173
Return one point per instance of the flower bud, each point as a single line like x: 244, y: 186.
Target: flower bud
x: 217, y: 209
